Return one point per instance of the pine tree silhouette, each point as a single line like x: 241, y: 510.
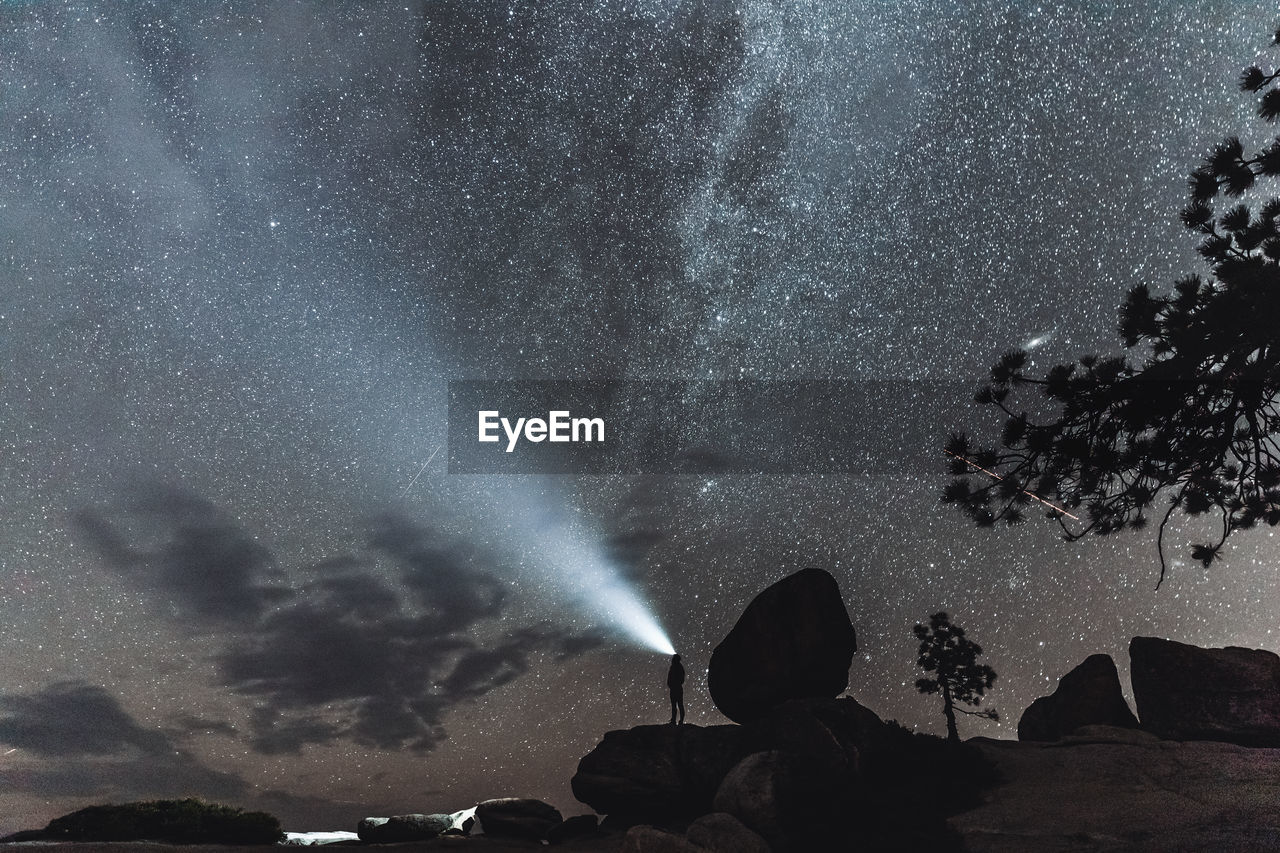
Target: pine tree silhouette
x: 1191, y: 424
x: 952, y: 658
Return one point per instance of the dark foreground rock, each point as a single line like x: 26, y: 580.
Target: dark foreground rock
x: 405, y: 827
x: 831, y: 734
x: 785, y: 800
x: 573, y: 828
x: 517, y: 818
x: 650, y: 839
x: 719, y: 832
x: 1124, y: 791
x: 713, y: 833
x: 1188, y: 693
x: 794, y: 641
x: 1086, y: 696
x: 820, y: 774
x: 652, y: 774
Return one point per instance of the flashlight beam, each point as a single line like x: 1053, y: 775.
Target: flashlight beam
x: 996, y: 476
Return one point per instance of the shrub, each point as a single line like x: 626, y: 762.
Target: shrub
x: 188, y: 821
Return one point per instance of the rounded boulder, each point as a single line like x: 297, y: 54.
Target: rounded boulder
x: 793, y: 641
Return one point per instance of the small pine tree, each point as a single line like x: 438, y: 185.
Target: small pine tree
x: 952, y: 658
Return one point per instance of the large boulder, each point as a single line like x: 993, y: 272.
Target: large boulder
x: 1188, y: 693
x: 461, y: 822
x: 513, y: 817
x: 713, y: 833
x: 573, y: 828
x: 650, y: 839
x: 719, y: 832
x: 794, y: 641
x: 307, y: 839
x: 784, y: 799
x: 658, y: 773
x: 831, y: 734
x: 405, y: 827
x: 1088, y: 695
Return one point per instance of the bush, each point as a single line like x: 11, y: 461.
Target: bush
x: 187, y: 821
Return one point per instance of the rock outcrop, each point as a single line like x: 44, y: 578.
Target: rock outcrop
x: 573, y: 828
x: 517, y: 818
x: 713, y: 833
x: 1087, y: 695
x: 831, y: 734
x: 784, y: 799
x: 650, y: 839
x: 719, y: 832
x: 312, y: 839
x: 1189, y: 693
x: 793, y: 641
x: 657, y: 773
x: 1108, y: 789
x: 405, y: 827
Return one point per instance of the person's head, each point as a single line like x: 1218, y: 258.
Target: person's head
x: 675, y: 658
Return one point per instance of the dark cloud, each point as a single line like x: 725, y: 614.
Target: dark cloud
x: 75, y: 740
x: 360, y: 594
x: 186, y: 725
x: 274, y: 733
x: 205, y: 564
x: 354, y: 652
x: 126, y: 778
x: 87, y: 744
x: 450, y: 592
x: 394, y: 659
x: 70, y: 718
x: 571, y: 645
x: 628, y: 549
x: 483, y: 669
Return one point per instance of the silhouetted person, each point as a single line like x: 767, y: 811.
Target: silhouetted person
x: 675, y: 680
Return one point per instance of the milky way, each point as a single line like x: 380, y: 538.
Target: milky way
x: 246, y: 245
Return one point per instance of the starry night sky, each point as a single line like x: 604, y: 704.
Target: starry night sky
x: 244, y: 246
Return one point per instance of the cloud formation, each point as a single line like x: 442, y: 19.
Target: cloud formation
x: 395, y: 654
x: 87, y: 744
x: 197, y: 557
x: 73, y: 718
x: 374, y: 647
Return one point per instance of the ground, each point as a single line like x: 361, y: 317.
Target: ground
x: 1119, y: 790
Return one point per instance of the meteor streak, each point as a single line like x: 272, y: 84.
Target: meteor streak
x: 420, y: 470
x: 1001, y: 479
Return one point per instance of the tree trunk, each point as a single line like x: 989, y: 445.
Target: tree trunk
x: 952, y: 733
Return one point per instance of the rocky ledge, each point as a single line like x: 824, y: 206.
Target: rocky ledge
x: 1121, y: 790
